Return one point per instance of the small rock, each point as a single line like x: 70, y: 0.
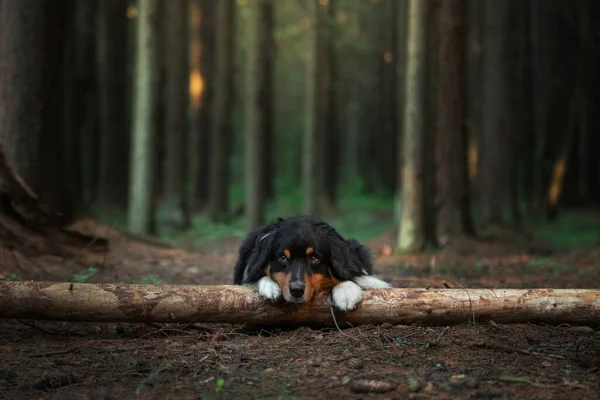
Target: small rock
x: 371, y: 386
x: 412, y: 383
x: 355, y: 363
x: 457, y: 378
x: 471, y: 383
x: 430, y: 389
x: 269, y: 369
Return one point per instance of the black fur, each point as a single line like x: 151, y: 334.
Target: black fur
x: 345, y: 258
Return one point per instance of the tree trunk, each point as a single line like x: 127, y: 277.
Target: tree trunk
x: 411, y: 236
x: 111, y: 56
x: 542, y: 38
x: 32, y: 39
x: 401, y: 58
x: 228, y: 304
x: 268, y: 55
x: 331, y: 148
x: 451, y: 104
x: 310, y: 161
x: 208, y: 72
x: 197, y: 85
x: 496, y: 144
x: 176, y: 118
x: 387, y: 59
x: 222, y: 130
x: 145, y: 99
x: 254, y: 118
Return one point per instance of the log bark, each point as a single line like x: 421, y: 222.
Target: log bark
x: 239, y: 305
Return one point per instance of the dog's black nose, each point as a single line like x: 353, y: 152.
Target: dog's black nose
x: 297, y: 289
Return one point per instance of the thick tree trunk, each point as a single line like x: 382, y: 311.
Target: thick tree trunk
x: 222, y: 129
x: 451, y: 104
x: 208, y: 72
x: 32, y: 39
x: 496, y: 144
x: 401, y: 90
x: 411, y: 234
x: 268, y: 55
x: 241, y: 305
x: 146, y: 89
x: 111, y: 56
x: 332, y: 143
x: 254, y: 119
x: 84, y: 140
x: 176, y: 122
x: 197, y: 85
x: 310, y: 160
x: 543, y: 39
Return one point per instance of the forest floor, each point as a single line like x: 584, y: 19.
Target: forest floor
x: 56, y: 360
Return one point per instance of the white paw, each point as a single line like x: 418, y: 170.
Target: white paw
x: 268, y: 288
x: 346, y: 295
x: 371, y: 282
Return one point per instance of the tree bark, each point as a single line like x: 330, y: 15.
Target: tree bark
x: 208, y: 72
x: 451, y: 104
x: 331, y: 147
x: 496, y: 145
x: 111, y: 56
x: 197, y: 85
x: 32, y: 39
x: 543, y: 39
x: 239, y: 305
x: 411, y: 234
x: 267, y: 53
x: 146, y: 90
x: 254, y: 118
x: 310, y: 161
x: 176, y: 122
x: 222, y: 129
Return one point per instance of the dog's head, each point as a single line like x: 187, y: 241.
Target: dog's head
x: 303, y: 255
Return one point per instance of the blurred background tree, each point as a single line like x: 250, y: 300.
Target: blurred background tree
x: 206, y: 118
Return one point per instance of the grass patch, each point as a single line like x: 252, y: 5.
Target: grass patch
x: 570, y: 230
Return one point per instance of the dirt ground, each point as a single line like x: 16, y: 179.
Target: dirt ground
x: 55, y: 360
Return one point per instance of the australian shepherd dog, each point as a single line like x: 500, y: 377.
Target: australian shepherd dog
x: 295, y: 258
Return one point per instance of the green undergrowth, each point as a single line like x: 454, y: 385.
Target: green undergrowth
x: 570, y: 229
x: 357, y: 215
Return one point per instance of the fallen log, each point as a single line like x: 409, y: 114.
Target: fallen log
x: 93, y: 302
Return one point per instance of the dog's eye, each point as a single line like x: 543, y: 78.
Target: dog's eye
x: 282, y: 259
x: 313, y: 260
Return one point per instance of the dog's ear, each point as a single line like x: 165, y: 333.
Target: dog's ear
x: 254, y: 254
x: 362, y: 256
x: 345, y: 262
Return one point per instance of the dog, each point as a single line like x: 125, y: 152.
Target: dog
x: 296, y: 257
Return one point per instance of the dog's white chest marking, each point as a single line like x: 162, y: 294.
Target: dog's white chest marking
x: 346, y: 295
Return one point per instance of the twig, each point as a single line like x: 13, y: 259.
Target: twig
x: 55, y: 353
x: 470, y: 301
x: 439, y: 337
x: 338, y: 327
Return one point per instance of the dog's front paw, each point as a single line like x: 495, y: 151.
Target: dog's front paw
x: 346, y: 295
x: 269, y: 289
